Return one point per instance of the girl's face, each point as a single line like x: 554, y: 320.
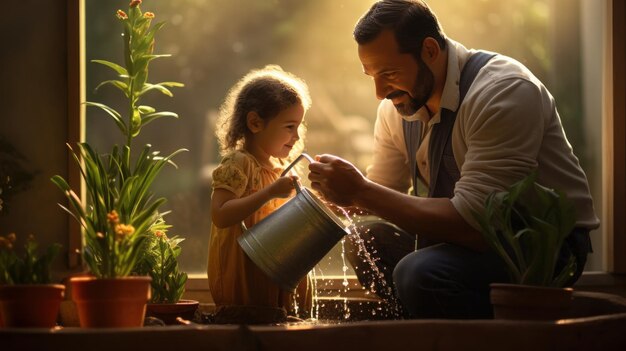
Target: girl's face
x: 277, y: 136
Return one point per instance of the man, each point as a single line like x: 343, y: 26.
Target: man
x: 457, y: 124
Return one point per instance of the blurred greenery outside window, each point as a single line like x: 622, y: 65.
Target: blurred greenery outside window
x: 215, y: 42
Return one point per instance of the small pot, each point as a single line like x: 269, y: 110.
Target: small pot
x: 169, y: 312
x: 526, y: 302
x: 30, y: 306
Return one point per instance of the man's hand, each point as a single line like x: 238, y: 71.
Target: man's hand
x: 336, y: 179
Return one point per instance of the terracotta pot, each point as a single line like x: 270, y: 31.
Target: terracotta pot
x: 34, y: 306
x: 168, y: 312
x: 525, y: 302
x: 111, y: 303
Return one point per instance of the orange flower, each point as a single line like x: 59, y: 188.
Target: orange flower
x: 122, y: 230
x: 12, y: 237
x: 135, y: 3
x: 121, y: 15
x: 5, y: 243
x: 159, y: 234
x: 112, y: 217
x: 149, y: 15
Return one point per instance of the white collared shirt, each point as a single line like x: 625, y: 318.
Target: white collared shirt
x: 507, y: 125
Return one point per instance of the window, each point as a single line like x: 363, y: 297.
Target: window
x: 215, y: 42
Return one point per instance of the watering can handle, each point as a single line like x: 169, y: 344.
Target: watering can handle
x: 302, y: 155
x: 295, y: 182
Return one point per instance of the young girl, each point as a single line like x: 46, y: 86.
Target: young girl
x: 259, y: 126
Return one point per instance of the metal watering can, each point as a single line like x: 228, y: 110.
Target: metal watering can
x: 289, y: 242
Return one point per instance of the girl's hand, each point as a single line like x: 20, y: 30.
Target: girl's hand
x: 282, y: 187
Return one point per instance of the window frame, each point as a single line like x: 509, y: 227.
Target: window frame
x: 614, y: 139
x: 76, y: 116
x: 613, y: 144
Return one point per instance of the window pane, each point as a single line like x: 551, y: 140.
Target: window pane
x: 216, y: 42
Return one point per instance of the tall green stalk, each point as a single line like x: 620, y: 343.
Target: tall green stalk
x: 121, y: 212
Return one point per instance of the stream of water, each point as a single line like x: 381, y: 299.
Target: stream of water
x: 377, y: 309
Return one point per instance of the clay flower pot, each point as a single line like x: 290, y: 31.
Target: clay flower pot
x: 168, y: 312
x: 30, y: 305
x: 111, y: 303
x: 526, y: 302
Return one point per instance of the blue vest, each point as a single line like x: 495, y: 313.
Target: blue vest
x: 444, y: 172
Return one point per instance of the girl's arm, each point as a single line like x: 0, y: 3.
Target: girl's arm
x: 227, y: 209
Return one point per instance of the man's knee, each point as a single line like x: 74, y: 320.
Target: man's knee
x: 410, y: 271
x: 415, y: 278
x: 446, y: 281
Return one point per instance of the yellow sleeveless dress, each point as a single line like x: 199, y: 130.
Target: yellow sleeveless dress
x: 234, y: 279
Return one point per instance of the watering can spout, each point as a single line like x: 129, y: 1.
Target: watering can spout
x: 306, y: 156
x: 302, y: 155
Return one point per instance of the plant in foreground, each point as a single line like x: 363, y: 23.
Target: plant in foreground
x: 28, y: 268
x: 526, y: 225
x: 121, y: 212
x: 160, y: 263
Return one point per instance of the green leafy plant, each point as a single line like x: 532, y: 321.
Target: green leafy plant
x: 28, y: 268
x: 160, y: 263
x: 526, y: 225
x: 121, y: 212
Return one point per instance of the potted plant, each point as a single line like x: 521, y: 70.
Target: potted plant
x: 27, y: 296
x: 168, y: 282
x: 526, y: 225
x: 120, y: 212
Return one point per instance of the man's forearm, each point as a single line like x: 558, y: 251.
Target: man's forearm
x: 434, y: 218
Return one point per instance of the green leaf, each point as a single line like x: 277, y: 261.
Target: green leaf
x: 117, y: 68
x: 135, y: 123
x: 127, y: 54
x: 123, y: 87
x: 172, y: 84
x: 148, y: 40
x: 531, y: 222
x: 148, y: 87
x: 153, y: 116
x: 114, y: 114
x: 141, y: 62
x: 566, y: 273
x: 144, y: 109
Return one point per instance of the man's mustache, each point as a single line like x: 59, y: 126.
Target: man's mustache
x: 396, y: 94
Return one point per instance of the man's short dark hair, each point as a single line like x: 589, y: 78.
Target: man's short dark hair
x: 412, y: 21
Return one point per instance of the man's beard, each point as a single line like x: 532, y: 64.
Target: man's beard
x: 424, y: 85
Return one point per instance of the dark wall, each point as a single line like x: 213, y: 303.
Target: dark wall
x: 33, y: 114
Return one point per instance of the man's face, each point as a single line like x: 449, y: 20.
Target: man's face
x: 401, y: 78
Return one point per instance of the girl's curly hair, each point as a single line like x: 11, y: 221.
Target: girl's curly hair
x: 266, y: 91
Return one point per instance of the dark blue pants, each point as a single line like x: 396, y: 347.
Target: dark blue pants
x: 443, y: 280
x: 450, y: 281
x: 447, y: 281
